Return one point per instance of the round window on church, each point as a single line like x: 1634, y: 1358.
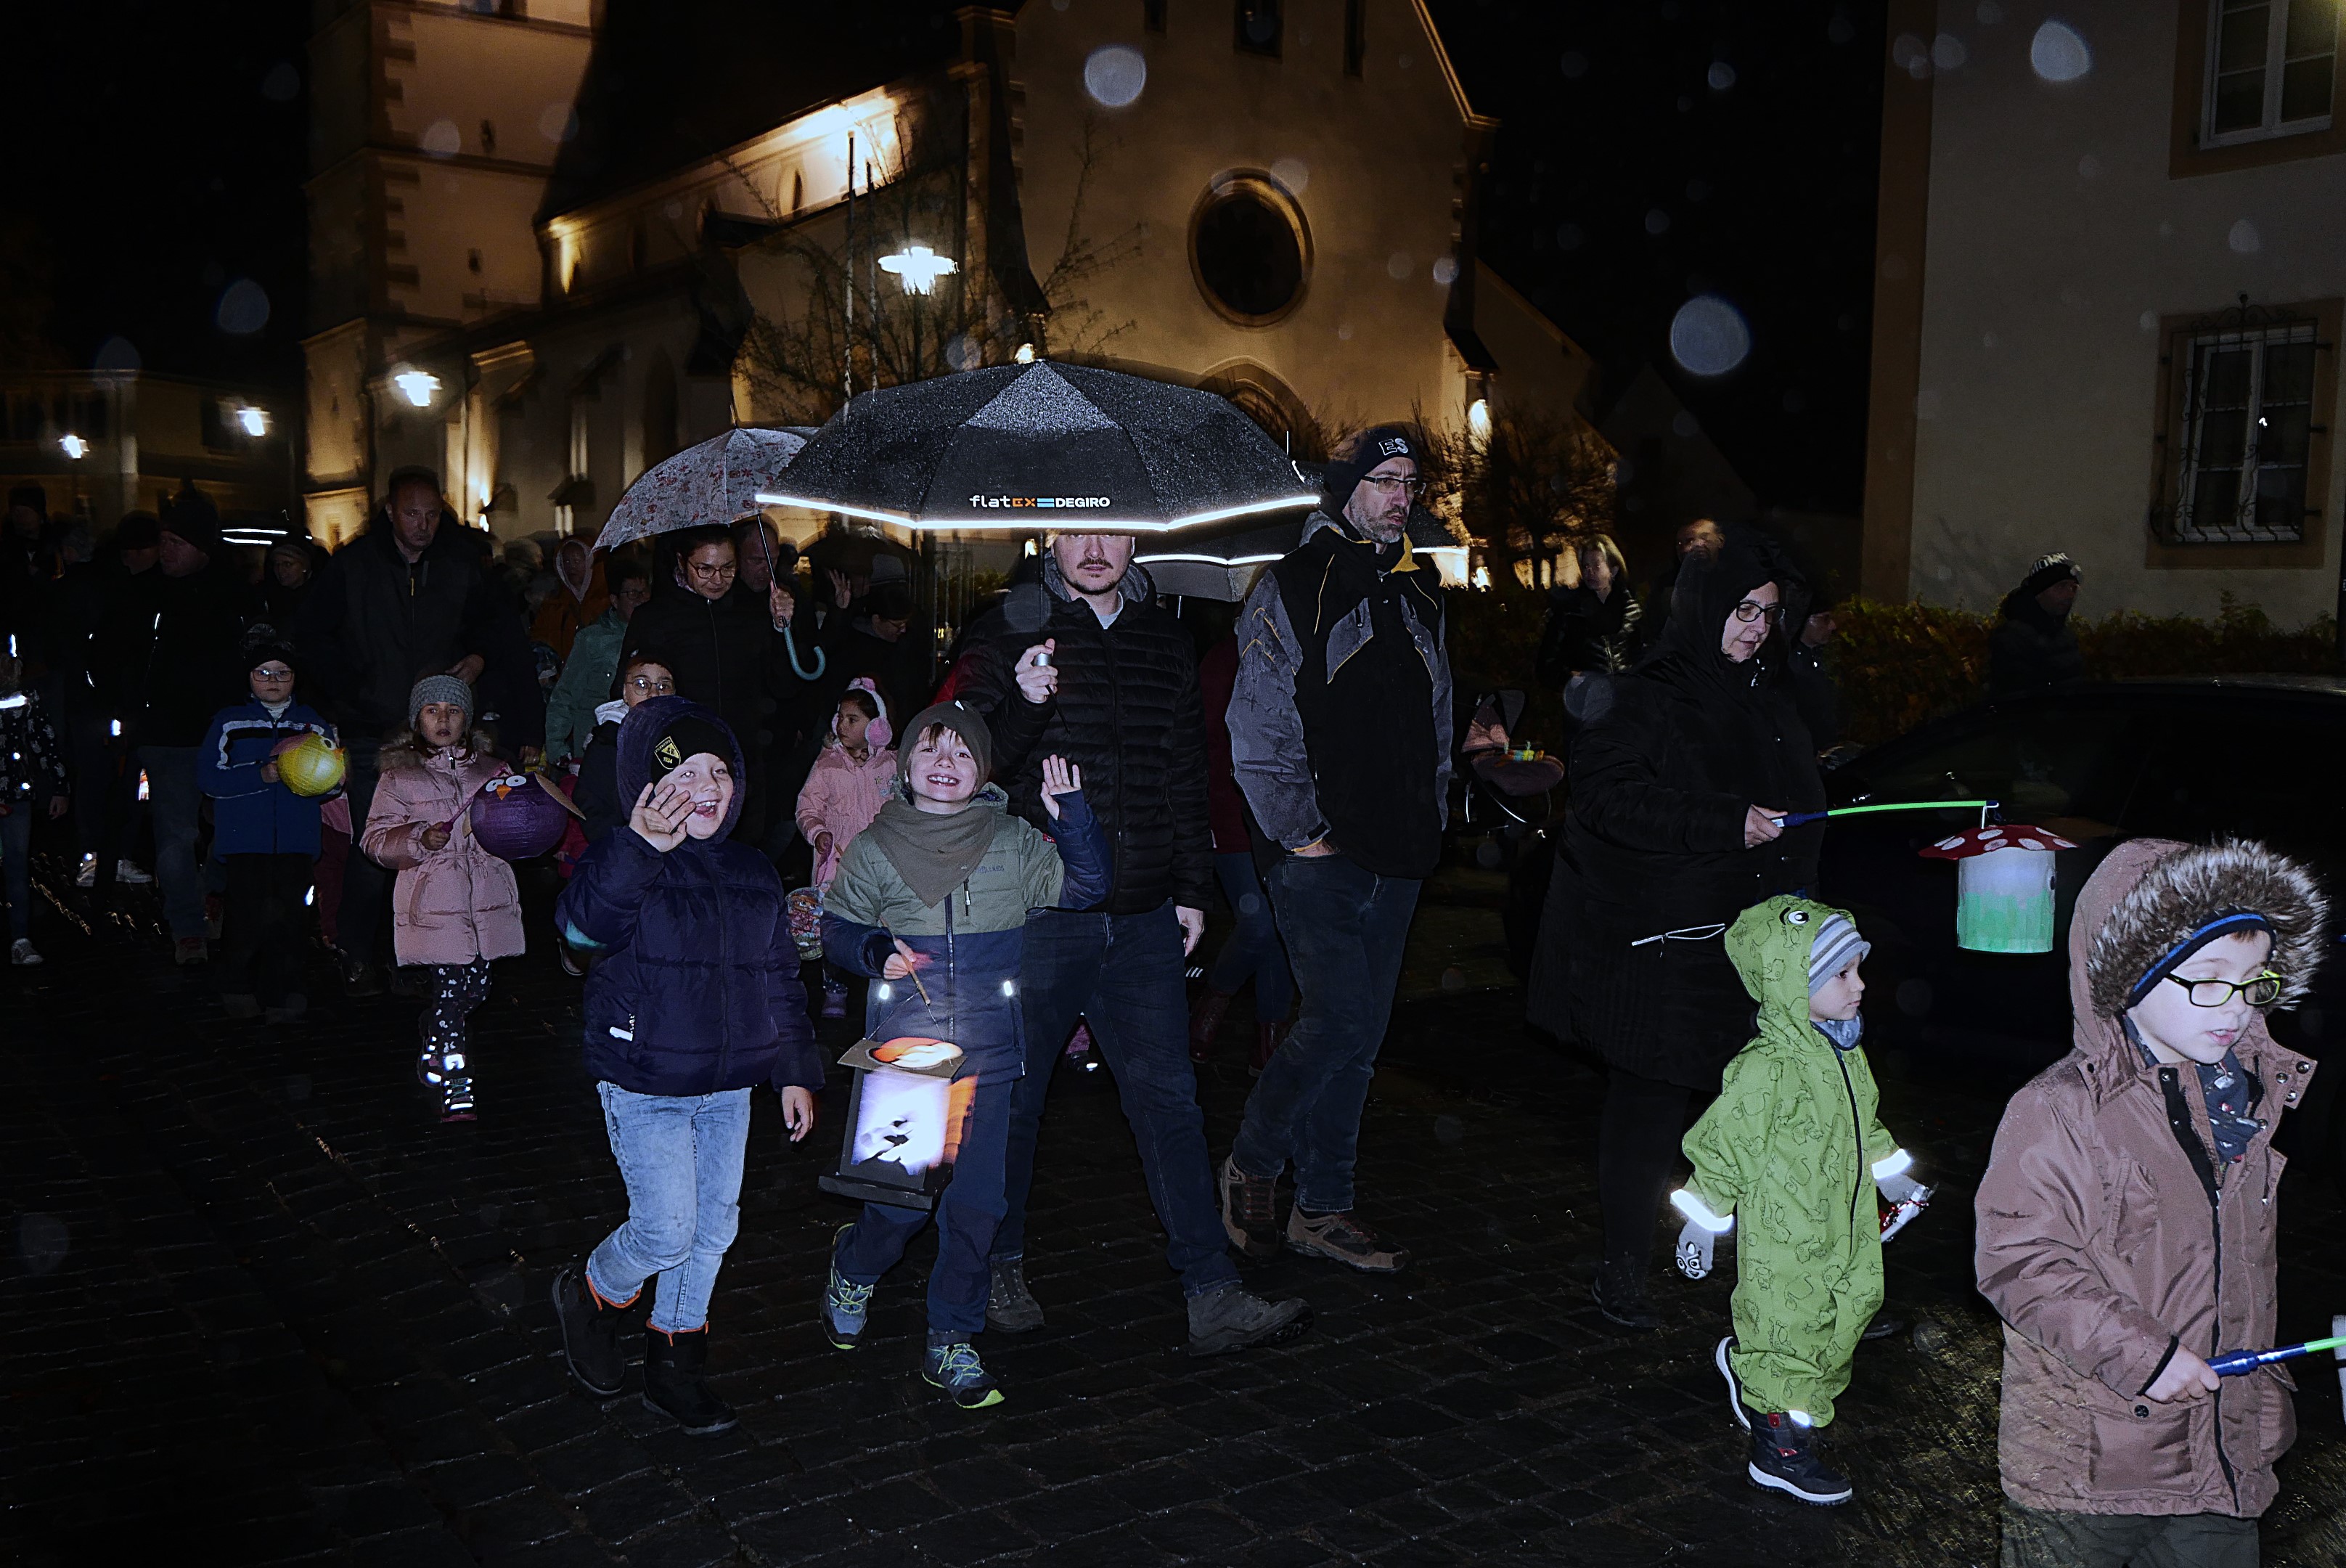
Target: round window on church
x: 1249, y: 249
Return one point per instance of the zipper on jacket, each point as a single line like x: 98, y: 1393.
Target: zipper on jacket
x: 1857, y: 1130
x: 2178, y: 1120
x: 953, y: 972
x: 724, y: 967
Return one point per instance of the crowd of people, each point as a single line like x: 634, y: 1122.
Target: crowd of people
x: 1033, y: 853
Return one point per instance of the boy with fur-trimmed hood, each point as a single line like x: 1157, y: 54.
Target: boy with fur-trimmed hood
x: 2126, y: 1222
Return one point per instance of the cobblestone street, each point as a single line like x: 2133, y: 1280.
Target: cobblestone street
x: 261, y: 1308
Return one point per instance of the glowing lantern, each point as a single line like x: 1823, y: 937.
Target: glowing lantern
x: 2004, y: 887
x: 310, y: 765
x: 906, y: 1115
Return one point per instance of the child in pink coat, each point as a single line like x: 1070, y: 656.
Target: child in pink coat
x: 454, y: 906
x: 845, y: 791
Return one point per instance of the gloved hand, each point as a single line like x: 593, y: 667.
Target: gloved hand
x: 1695, y: 1244
x: 1901, y: 1188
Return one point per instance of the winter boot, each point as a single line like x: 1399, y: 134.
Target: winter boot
x: 845, y: 1306
x: 1205, y: 1022
x: 1620, y: 1295
x: 591, y: 1332
x: 1345, y: 1239
x: 1250, y: 1210
x: 1232, y: 1317
x: 1009, y: 1305
x: 23, y: 955
x: 953, y: 1365
x: 1784, y: 1458
x: 673, y: 1367
x: 1268, y: 1039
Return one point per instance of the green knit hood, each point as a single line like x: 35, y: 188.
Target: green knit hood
x: 1770, y: 944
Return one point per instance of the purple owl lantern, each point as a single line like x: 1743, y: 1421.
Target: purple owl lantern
x: 519, y: 816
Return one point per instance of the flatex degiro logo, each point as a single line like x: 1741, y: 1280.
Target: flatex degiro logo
x: 1037, y: 502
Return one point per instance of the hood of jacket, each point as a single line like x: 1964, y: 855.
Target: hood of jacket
x: 645, y: 723
x: 1136, y: 586
x: 1770, y: 945
x: 1708, y: 590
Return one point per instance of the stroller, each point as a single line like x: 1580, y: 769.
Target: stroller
x: 1508, y: 800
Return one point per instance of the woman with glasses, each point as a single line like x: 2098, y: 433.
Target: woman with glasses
x: 1679, y: 771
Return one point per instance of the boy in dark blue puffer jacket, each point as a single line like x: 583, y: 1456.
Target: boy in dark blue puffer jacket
x: 695, y: 1000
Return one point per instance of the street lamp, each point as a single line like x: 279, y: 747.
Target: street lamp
x: 417, y: 386
x: 253, y: 422
x: 74, y: 447
x: 918, y: 268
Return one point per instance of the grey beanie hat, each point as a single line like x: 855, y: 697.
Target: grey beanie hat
x: 440, y: 689
x: 1835, y: 943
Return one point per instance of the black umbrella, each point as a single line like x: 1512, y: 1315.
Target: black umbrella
x: 1016, y: 448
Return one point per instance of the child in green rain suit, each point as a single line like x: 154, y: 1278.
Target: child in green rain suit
x: 1793, y: 1147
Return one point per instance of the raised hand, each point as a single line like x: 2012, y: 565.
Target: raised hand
x: 842, y: 594
x: 1060, y: 777
x: 658, y: 819
x: 1037, y: 678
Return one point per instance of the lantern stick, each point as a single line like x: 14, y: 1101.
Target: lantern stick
x: 2239, y: 1361
x: 913, y: 974
x: 1796, y: 819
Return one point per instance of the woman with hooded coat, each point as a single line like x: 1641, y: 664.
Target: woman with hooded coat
x: 1679, y: 770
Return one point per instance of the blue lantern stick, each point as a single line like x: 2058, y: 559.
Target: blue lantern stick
x: 2234, y: 1363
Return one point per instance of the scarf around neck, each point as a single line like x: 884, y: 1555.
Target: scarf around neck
x: 935, y: 853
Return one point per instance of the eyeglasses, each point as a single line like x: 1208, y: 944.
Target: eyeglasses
x: 653, y: 687
x: 714, y: 573
x: 1414, y: 487
x: 272, y: 674
x: 1751, y: 610
x: 2262, y: 992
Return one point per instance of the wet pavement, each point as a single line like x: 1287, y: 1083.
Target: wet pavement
x: 261, y: 1307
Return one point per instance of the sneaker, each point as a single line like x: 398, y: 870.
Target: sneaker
x: 1784, y: 1458
x: 85, y: 874
x: 1619, y: 1295
x: 955, y: 1368
x: 835, y: 999
x: 1250, y: 1210
x: 455, y: 1089
x: 1009, y: 1305
x: 590, y: 1333
x: 240, y: 1005
x: 23, y: 955
x: 1234, y: 1319
x: 192, y: 949
x: 129, y: 873
x: 427, y: 1058
x: 845, y: 1306
x: 674, y: 1365
x: 1734, y: 1384
x: 1345, y: 1239
x: 569, y: 961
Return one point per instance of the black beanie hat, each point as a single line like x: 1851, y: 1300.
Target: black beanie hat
x: 687, y: 736
x: 2048, y: 570
x: 1370, y: 447
x: 192, y: 517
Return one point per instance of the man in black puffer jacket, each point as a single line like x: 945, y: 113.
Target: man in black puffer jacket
x: 1110, y: 681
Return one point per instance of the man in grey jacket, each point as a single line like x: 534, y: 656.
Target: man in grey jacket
x: 1340, y: 739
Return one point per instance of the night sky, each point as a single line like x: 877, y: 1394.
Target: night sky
x: 1650, y: 150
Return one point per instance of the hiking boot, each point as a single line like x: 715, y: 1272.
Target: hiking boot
x: 361, y: 979
x: 288, y: 1011
x: 1620, y: 1295
x: 1345, y: 1239
x: 1205, y: 1022
x: 192, y: 949
x: 844, y: 1305
x: 835, y: 999
x: 1250, y: 1210
x: 590, y: 1333
x: 955, y: 1368
x: 1784, y: 1458
x: 1231, y: 1317
x: 1734, y: 1384
x: 130, y: 874
x: 240, y: 1004
x: 1268, y: 1039
x: 23, y: 955
x: 673, y: 1368
x: 1009, y: 1305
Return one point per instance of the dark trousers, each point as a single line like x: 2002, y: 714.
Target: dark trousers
x: 1637, y: 1139
x: 1252, y: 950
x: 1121, y: 973
x: 968, y: 1215
x: 2041, y: 1538
x: 263, y: 931
x: 366, y: 886
x: 178, y: 802
x: 16, y: 867
x: 104, y: 790
x: 1345, y: 928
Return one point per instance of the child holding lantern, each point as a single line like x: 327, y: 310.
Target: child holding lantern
x: 930, y: 900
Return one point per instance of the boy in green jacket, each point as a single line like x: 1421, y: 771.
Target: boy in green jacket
x: 1793, y: 1145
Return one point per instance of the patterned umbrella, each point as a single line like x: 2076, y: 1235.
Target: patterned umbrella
x: 715, y: 482
x: 1018, y: 448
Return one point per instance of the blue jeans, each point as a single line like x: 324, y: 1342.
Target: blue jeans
x: 172, y: 792
x: 1123, y: 974
x: 967, y: 1214
x: 16, y: 866
x: 1345, y: 929
x: 1252, y: 950
x: 680, y: 1155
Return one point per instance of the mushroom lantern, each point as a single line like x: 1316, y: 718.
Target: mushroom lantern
x: 2004, y: 887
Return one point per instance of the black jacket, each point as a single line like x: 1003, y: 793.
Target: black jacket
x: 167, y: 648
x: 373, y: 625
x: 724, y: 653
x: 1665, y: 765
x: 1128, y: 715
x: 2031, y: 648
x: 1584, y: 633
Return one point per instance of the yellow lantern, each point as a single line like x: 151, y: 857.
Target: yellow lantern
x: 310, y: 765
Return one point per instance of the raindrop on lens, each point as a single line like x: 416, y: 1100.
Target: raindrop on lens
x: 117, y: 354
x: 2243, y: 238
x: 1948, y: 51
x: 282, y: 84
x: 41, y: 1242
x: 1399, y: 265
x: 555, y: 122
x: 1115, y: 74
x: 243, y: 308
x: 1446, y: 270
x: 442, y: 139
x: 1722, y: 76
x: 1291, y: 172
x: 1569, y: 237
x: 1708, y: 336
x: 1658, y: 222
x: 961, y: 354
x: 2058, y: 53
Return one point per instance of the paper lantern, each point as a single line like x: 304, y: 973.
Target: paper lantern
x: 2004, y: 887
x: 310, y: 765
x: 906, y: 1112
x: 518, y: 817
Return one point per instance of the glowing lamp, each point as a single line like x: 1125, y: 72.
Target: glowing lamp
x: 1025, y: 354
x: 1478, y: 419
x: 310, y: 765
x: 417, y: 386
x: 253, y: 422
x: 74, y: 447
x: 907, y: 1113
x: 2004, y: 887
x: 918, y: 268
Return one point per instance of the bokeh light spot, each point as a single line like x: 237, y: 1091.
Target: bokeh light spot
x: 2058, y: 53
x: 1115, y: 74
x: 1709, y: 337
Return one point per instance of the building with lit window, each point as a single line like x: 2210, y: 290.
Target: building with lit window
x: 557, y: 240
x: 102, y: 443
x: 2112, y: 253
